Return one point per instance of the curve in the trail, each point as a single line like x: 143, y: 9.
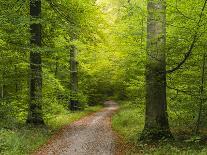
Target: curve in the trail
x: 91, y: 135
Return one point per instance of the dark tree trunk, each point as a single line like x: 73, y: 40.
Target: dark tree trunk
x: 35, y: 104
x: 56, y: 67
x: 73, y: 79
x: 156, y: 118
x: 202, y: 88
x: 2, y: 90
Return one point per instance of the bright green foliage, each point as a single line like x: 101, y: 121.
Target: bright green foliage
x: 110, y: 36
x: 185, y: 19
x: 60, y: 21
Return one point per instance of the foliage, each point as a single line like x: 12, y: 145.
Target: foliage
x: 110, y: 36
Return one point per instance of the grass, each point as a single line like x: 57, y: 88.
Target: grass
x: 21, y: 139
x: 129, y: 123
x: 59, y: 121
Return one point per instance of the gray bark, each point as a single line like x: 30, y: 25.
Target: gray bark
x: 156, y: 118
x: 2, y: 91
x: 201, y: 94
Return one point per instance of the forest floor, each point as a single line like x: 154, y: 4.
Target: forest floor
x: 128, y: 122
x: 91, y: 135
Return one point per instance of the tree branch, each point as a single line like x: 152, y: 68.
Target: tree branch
x: 55, y: 8
x: 195, y: 38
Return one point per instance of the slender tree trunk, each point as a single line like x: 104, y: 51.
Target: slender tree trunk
x: 142, y: 33
x: 156, y: 118
x: 16, y: 80
x: 2, y: 91
x: 201, y: 94
x: 73, y: 79
x: 35, y: 105
x: 3, y: 86
x: 56, y: 67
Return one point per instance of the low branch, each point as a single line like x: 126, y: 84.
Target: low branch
x: 195, y: 39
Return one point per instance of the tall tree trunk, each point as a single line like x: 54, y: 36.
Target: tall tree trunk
x: 16, y: 80
x: 35, y: 105
x: 156, y: 118
x: 3, y: 86
x: 201, y: 94
x: 73, y: 79
x: 56, y: 66
x: 2, y: 91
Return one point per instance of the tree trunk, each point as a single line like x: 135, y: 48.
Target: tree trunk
x: 2, y: 91
x: 3, y: 86
x: 16, y: 80
x: 35, y: 105
x: 56, y: 66
x: 201, y: 94
x: 73, y: 79
x: 156, y: 118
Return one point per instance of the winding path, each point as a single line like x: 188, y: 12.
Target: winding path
x: 91, y: 135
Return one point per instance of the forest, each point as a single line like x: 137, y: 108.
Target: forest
x: 103, y: 76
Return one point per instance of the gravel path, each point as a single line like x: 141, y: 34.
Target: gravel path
x: 91, y: 135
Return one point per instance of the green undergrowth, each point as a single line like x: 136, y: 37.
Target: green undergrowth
x: 129, y: 123
x: 20, y: 139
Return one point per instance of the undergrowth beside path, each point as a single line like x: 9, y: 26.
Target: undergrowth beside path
x: 21, y: 139
x: 129, y: 123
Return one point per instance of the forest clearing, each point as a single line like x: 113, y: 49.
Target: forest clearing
x: 103, y: 77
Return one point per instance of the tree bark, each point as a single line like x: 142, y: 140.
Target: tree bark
x: 73, y: 79
x: 3, y: 86
x: 201, y: 94
x: 16, y: 80
x: 156, y: 118
x: 2, y: 91
x: 56, y: 66
x: 35, y: 104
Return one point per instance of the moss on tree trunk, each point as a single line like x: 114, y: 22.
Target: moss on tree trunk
x: 156, y: 119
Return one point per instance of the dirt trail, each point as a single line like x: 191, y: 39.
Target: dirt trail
x: 91, y: 135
